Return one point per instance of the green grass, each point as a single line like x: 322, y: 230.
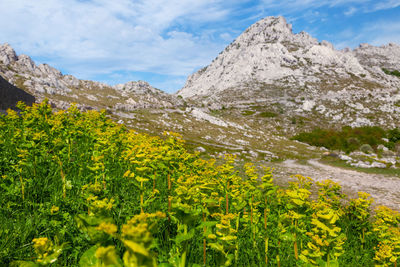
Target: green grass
x: 248, y: 112
x: 268, y: 114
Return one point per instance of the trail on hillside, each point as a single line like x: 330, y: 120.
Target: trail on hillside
x: 383, y: 188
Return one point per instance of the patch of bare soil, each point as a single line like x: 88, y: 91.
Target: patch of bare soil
x: 383, y: 188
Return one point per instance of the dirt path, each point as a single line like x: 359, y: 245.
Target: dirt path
x: 384, y: 189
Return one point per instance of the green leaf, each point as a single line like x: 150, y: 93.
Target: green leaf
x: 216, y: 246
x: 297, y: 201
x: 136, y: 248
x: 207, y: 224
x: 88, y: 258
x: 183, y: 237
x: 228, y: 238
x: 88, y: 225
x: 23, y: 264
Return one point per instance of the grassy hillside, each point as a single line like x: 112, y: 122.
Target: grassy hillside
x: 78, y: 189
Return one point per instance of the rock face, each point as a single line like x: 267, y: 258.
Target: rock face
x: 11, y: 95
x: 45, y: 81
x: 270, y: 65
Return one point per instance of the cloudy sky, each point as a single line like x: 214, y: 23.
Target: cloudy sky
x: 163, y: 41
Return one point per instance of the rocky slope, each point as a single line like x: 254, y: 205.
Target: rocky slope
x: 271, y: 67
x: 11, y: 95
x: 45, y: 81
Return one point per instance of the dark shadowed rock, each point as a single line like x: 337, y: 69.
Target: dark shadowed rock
x: 10, y: 95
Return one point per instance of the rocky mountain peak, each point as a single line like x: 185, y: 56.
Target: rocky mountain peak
x: 270, y: 65
x: 7, y: 54
x: 387, y: 56
x: 267, y: 30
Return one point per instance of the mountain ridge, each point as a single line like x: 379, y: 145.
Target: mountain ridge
x: 277, y: 84
x: 270, y: 65
x: 272, y: 39
x: 45, y: 81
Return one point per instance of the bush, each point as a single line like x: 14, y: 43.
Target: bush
x: 366, y: 148
x: 391, y: 72
x: 348, y: 139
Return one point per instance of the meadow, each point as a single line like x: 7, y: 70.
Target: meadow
x: 77, y: 189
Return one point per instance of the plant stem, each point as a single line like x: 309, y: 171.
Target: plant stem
x: 277, y: 256
x: 154, y: 182
x: 265, y: 218
x: 64, y: 188
x: 296, y: 251
x: 183, y: 257
x: 169, y: 193
x: 266, y: 237
x: 266, y: 251
x: 237, y: 243
x: 278, y: 260
x: 141, y: 197
x: 251, y: 210
x: 22, y: 187
x: 204, y: 241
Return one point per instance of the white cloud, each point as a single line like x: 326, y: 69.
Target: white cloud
x: 102, y: 36
x: 380, y: 5
x: 293, y: 5
x: 89, y: 38
x: 383, y: 32
x: 377, y: 33
x: 350, y: 11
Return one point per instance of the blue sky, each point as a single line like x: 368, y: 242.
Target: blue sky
x: 163, y: 41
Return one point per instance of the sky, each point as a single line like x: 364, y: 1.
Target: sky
x: 164, y: 41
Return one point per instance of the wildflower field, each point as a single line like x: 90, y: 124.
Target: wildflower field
x: 77, y: 189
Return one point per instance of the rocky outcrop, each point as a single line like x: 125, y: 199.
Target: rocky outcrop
x: 45, y: 81
x: 11, y: 95
x: 268, y: 64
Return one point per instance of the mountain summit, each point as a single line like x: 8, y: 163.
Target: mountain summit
x: 269, y: 64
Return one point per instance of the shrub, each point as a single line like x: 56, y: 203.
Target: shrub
x: 366, y: 148
x: 391, y: 72
x: 348, y: 139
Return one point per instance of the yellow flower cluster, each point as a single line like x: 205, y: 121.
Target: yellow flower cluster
x: 108, y: 228
x: 387, y: 227
x: 42, y: 246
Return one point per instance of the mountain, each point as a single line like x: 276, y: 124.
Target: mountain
x: 270, y: 67
x: 266, y: 86
x: 10, y: 95
x: 45, y: 81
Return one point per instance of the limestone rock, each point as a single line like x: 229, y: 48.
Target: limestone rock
x: 7, y: 54
x: 46, y: 81
x: 269, y: 64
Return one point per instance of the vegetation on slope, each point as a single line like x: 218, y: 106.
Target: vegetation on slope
x: 79, y: 189
x: 391, y: 72
x: 350, y: 139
